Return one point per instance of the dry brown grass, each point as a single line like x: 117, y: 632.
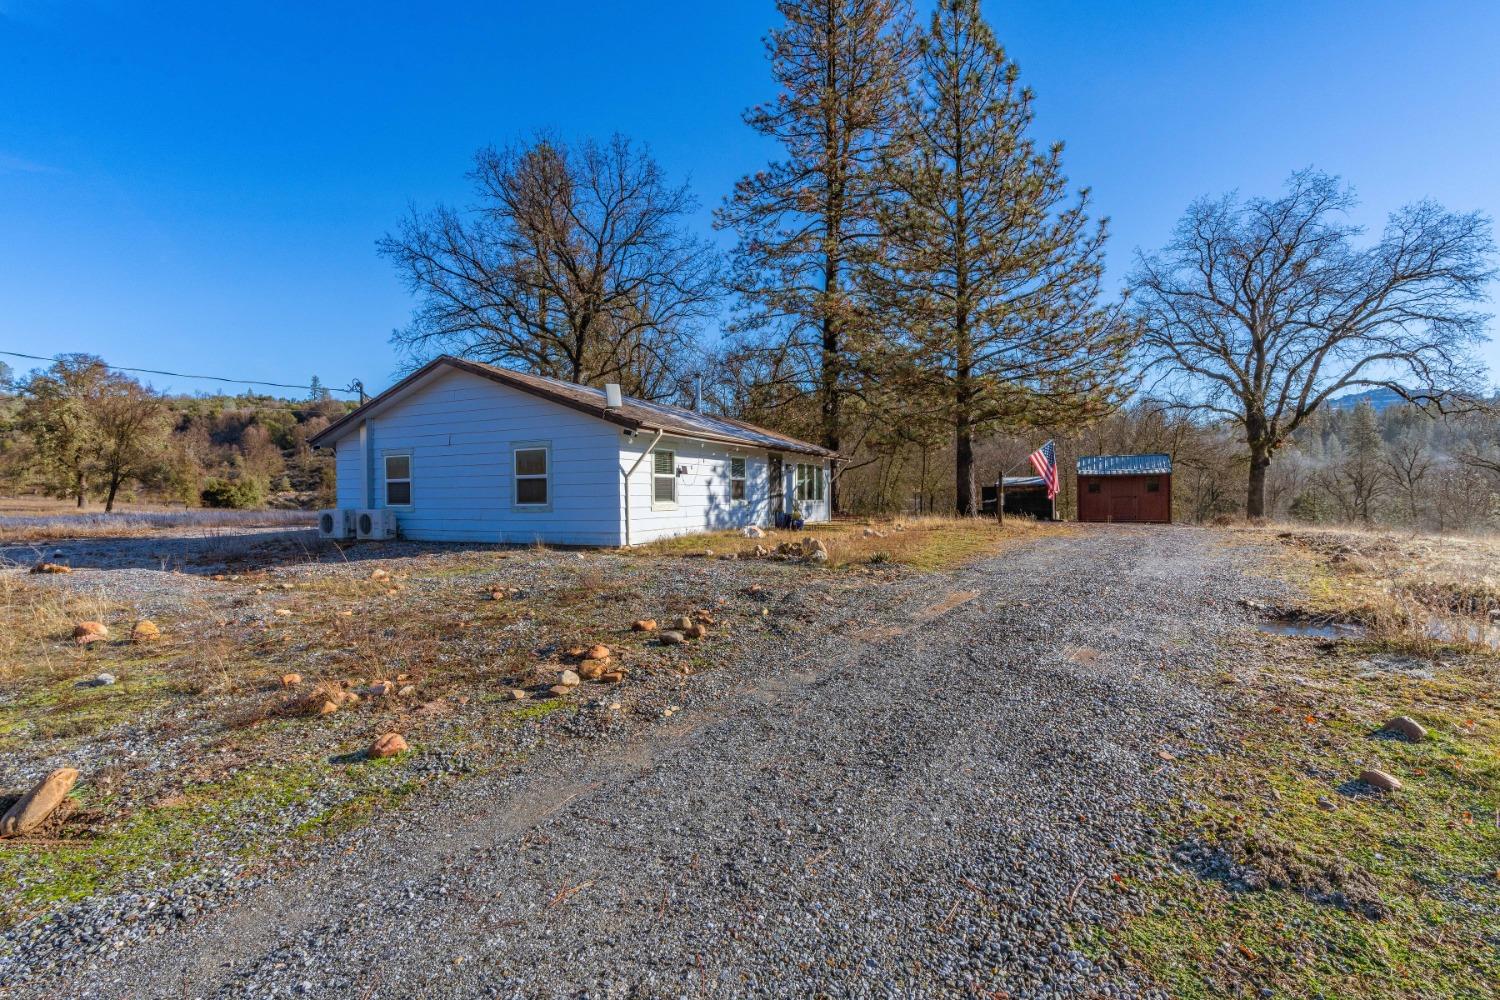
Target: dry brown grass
x: 927, y: 542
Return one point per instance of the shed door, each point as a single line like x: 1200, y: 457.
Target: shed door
x: 1122, y: 508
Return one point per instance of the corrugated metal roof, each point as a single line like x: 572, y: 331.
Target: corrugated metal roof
x: 1154, y: 464
x: 633, y: 413
x: 1025, y: 481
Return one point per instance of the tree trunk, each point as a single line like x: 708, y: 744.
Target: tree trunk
x: 1255, y: 501
x: 78, y: 489
x: 109, y: 501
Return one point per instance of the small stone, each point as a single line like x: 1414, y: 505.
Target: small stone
x: 672, y: 638
x: 612, y: 676
x: 103, y: 680
x: 282, y: 612
x: 592, y: 670
x: 568, y: 679
x: 87, y: 632
x: 388, y: 745
x: 290, y: 680
x: 31, y: 809
x: 327, y: 706
x: 643, y: 625
x: 379, y: 574
x: 574, y: 652
x: 1378, y: 779
x: 683, y: 623
x: 407, y: 691
x: 703, y: 617
x: 752, y: 531
x: 379, y: 689
x: 1324, y: 802
x: 695, y: 631
x: 47, y: 567
x: 516, y: 694
x: 818, y: 556
x: 559, y: 690
x: 1405, y: 727
x: 597, y: 652
x: 145, y: 630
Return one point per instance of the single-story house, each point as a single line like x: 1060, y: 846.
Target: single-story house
x: 464, y: 451
x: 1125, y: 488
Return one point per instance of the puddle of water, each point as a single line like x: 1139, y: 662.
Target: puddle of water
x: 1310, y: 630
x: 1474, y: 634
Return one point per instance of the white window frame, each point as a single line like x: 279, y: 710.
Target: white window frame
x: 516, y: 447
x: 743, y: 479
x: 657, y: 475
x: 408, y: 479
x: 807, y: 483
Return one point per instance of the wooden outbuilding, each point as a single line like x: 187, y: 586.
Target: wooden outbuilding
x: 1125, y: 488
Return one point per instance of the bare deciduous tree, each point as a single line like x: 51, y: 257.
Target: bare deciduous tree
x: 1259, y: 312
x: 574, y: 264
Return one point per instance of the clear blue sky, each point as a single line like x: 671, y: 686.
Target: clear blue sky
x: 200, y: 186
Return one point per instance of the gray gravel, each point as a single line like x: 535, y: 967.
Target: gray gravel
x: 932, y: 804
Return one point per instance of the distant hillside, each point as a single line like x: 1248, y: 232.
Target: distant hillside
x: 1380, y: 398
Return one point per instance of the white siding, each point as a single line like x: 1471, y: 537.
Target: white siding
x: 703, y: 497
x: 460, y: 430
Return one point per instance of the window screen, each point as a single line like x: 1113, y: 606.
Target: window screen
x: 531, y: 477
x: 664, y: 478
x: 736, y: 479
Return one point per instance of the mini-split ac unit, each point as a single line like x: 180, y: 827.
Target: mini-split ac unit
x: 375, y: 525
x: 336, y: 524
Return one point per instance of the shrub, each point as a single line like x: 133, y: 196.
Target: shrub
x: 236, y: 494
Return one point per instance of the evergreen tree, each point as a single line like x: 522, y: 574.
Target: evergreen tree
x: 803, y: 219
x: 317, y: 391
x: 990, y: 268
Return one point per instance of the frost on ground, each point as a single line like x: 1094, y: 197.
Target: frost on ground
x: 862, y: 783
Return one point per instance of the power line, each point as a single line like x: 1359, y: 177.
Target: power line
x: 354, y: 387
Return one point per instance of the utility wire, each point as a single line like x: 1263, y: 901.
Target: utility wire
x: 354, y: 387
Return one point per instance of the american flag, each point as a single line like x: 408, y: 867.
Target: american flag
x: 1044, y: 461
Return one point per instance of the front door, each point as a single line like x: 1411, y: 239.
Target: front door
x: 778, y: 485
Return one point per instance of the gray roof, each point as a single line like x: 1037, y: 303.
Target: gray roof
x: 1154, y: 464
x: 1025, y: 481
x: 636, y: 414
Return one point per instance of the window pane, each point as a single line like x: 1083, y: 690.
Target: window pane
x: 398, y: 494
x: 531, y: 491
x: 665, y: 489
x: 665, y: 463
x: 531, y: 462
x: 817, y: 483
x: 398, y: 467
x: 737, y: 468
x: 736, y: 489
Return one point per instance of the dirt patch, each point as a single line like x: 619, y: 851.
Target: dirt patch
x: 1261, y: 863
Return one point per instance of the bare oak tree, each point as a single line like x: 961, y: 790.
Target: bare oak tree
x: 574, y: 263
x: 1259, y: 312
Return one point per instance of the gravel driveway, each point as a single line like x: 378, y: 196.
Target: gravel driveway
x: 932, y: 806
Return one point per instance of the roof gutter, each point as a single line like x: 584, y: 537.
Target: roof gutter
x: 627, y: 473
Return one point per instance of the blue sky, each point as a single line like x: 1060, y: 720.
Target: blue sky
x: 199, y: 187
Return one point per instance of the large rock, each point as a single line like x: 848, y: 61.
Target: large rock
x: 671, y: 637
x: 695, y: 631
x: 568, y: 679
x: 87, y: 632
x: 592, y: 670
x: 683, y: 623
x: 388, y: 745
x: 596, y: 652
x: 145, y: 630
x: 643, y: 625
x: 1378, y: 779
x: 753, y: 532
x: 47, y: 567
x: 1405, y: 727
x: 33, y: 808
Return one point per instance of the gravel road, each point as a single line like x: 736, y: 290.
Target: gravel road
x: 933, y: 805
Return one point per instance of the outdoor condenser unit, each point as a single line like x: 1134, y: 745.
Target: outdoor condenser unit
x: 375, y: 525
x: 336, y: 524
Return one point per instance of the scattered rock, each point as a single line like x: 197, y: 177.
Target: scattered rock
x: 695, y: 631
x: 683, y: 623
x: 873, y: 533
x: 47, y: 567
x: 1379, y: 780
x: 1405, y: 727
x: 31, y: 809
x: 568, y: 679
x: 1324, y: 802
x: 326, y: 706
x: 643, y: 625
x: 379, y: 574
x: 753, y: 532
x: 559, y: 690
x: 612, y: 676
x: 516, y: 694
x: 388, y: 745
x: 145, y: 630
x: 574, y: 652
x: 282, y: 612
x: 380, y: 689
x: 818, y: 556
x: 87, y: 632
x: 407, y: 691
x: 103, y: 680
x: 592, y: 670
x: 672, y: 638
x: 597, y: 652
x: 703, y: 617
x: 290, y: 680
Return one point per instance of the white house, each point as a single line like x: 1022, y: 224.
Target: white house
x: 464, y: 451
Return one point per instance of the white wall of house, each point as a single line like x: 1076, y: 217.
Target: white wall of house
x: 461, y: 432
x: 704, y: 490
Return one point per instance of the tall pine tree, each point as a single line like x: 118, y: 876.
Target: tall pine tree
x: 989, y: 267
x: 802, y: 220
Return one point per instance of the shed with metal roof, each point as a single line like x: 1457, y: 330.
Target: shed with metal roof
x: 1125, y: 488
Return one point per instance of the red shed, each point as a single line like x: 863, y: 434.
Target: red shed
x: 1135, y: 488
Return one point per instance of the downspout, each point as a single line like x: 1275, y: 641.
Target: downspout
x: 627, y: 473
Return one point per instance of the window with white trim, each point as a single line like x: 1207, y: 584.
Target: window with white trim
x: 737, y: 480
x: 809, y: 483
x: 663, y: 477
x: 533, y: 469
x: 398, y: 480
